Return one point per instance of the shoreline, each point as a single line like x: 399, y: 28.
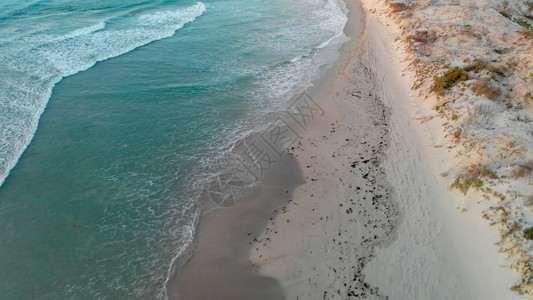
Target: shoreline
x: 367, y: 214
x: 201, y: 252
x: 326, y: 56
x: 206, y: 257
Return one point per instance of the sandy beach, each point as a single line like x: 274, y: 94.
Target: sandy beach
x: 358, y: 208
x: 286, y: 149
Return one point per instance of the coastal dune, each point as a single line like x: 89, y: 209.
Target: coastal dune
x: 441, y: 251
x: 358, y: 210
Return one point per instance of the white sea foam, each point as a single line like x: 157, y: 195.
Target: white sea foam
x: 282, y: 82
x: 278, y: 84
x: 85, y: 31
x: 335, y: 20
x: 30, y: 75
x: 276, y: 87
x: 34, y: 72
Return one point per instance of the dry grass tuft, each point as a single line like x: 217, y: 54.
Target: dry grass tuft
x: 498, y: 69
x: 482, y: 88
x: 513, y: 148
x: 511, y: 229
x: 481, y: 171
x: 477, y: 66
x: 504, y: 11
x: 522, y: 170
x: 526, y: 34
x: 424, y: 36
x: 398, y: 6
x: 457, y: 133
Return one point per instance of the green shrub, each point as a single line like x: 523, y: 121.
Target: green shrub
x: 523, y: 23
x: 528, y: 233
x: 449, y: 79
x: 464, y: 184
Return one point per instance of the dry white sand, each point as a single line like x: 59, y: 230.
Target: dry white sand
x: 485, y: 119
x: 440, y: 252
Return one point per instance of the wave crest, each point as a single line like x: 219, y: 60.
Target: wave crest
x: 29, y: 75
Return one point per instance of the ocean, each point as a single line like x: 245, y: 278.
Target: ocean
x: 115, y: 116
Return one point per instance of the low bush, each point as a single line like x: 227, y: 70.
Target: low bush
x: 472, y: 178
x: 523, y: 23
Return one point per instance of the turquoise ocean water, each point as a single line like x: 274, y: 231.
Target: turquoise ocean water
x: 113, y: 113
